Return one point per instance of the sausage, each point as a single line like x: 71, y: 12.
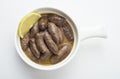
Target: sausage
x: 50, y: 43
x: 42, y: 46
x: 58, y: 20
x: 34, y: 30
x: 43, y: 23
x: 25, y: 41
x: 53, y: 30
x: 67, y: 31
x: 60, y: 35
x: 63, y: 52
x: 34, y: 49
x: 69, y: 47
x: 30, y: 54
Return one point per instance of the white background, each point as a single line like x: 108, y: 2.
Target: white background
x: 96, y: 58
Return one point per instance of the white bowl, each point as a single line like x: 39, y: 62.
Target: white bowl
x: 94, y: 32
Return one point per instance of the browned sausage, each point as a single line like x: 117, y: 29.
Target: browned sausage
x: 58, y: 20
x: 30, y: 54
x: 50, y: 43
x: 63, y: 52
x: 34, y: 49
x: 53, y: 30
x: 43, y: 23
x: 42, y: 46
x: 60, y: 35
x: 68, y: 50
x: 34, y: 30
x: 67, y: 31
x: 25, y: 41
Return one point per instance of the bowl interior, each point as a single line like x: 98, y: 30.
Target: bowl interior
x: 63, y: 62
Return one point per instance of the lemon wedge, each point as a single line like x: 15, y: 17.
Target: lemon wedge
x: 27, y: 21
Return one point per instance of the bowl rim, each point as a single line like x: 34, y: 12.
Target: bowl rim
x: 55, y: 66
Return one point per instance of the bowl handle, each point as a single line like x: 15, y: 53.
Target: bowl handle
x: 92, y: 32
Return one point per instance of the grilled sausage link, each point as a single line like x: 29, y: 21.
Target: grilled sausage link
x: 67, y: 31
x: 53, y: 30
x: 30, y: 54
x: 25, y: 41
x: 43, y: 23
x: 34, y: 49
x: 42, y: 46
x: 63, y: 52
x: 58, y: 20
x: 34, y: 30
x: 50, y: 43
x: 60, y: 34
